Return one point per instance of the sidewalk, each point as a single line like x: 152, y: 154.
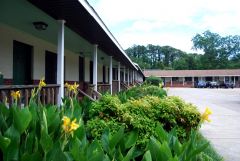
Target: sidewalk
x: 224, y: 130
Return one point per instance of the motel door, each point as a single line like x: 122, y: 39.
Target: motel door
x: 22, y: 63
x: 50, y: 67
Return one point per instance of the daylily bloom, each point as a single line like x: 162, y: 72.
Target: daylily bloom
x: 72, y: 88
x: 16, y: 95
x: 205, y: 115
x: 69, y: 126
x: 42, y: 83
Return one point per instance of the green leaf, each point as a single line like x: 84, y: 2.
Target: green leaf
x: 56, y: 154
x: 130, y: 139
x: 129, y: 155
x: 53, y: 119
x: 75, y: 149
x: 44, y: 121
x: 21, y: 118
x: 114, y: 140
x: 4, y: 111
x: 154, y: 148
x: 32, y: 157
x: 46, y: 141
x: 165, y: 151
x: 147, y: 156
x: 161, y: 133
x: 4, y: 142
x: 105, y: 140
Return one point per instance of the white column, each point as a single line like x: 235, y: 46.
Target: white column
x: 119, y: 79
x: 128, y: 78
x: 124, y: 72
x: 234, y: 81
x: 60, y: 61
x: 133, y: 78
x: 171, y: 81
x: 224, y: 79
x: 95, y: 66
x: 193, y: 81
x: 183, y: 81
x: 110, y: 74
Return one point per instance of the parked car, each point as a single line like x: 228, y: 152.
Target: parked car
x: 213, y: 84
x: 226, y: 85
x: 201, y: 84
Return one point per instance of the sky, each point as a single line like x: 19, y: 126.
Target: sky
x: 167, y: 22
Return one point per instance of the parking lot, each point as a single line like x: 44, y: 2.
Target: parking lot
x: 224, y: 130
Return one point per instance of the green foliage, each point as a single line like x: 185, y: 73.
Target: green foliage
x: 152, y: 80
x: 138, y: 92
x: 166, y: 146
x: 115, y: 131
x: 142, y: 114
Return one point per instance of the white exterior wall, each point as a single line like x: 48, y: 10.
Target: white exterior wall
x: 71, y: 68
x: 87, y: 69
x: 100, y: 73
x: 40, y: 46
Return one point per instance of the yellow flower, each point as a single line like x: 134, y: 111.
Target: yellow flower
x: 72, y: 88
x: 74, y: 125
x: 42, y: 83
x: 69, y: 126
x: 205, y: 115
x: 75, y: 86
x: 16, y: 95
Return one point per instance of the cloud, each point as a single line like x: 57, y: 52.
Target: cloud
x: 170, y: 22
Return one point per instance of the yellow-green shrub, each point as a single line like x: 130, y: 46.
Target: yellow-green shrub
x: 142, y: 115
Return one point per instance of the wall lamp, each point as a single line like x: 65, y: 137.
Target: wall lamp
x: 39, y: 25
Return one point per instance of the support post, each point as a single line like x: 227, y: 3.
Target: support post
x: 193, y: 81
x: 110, y: 74
x: 171, y: 81
x: 133, y: 78
x: 183, y: 81
x: 60, y: 61
x: 128, y: 77
x: 95, y: 66
x: 119, y: 75
x: 234, y: 80
x: 124, y: 74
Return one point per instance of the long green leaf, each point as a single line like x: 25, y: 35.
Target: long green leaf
x: 46, y: 141
x: 129, y: 155
x: 114, y: 140
x: 147, y: 156
x: 22, y: 118
x: 4, y: 142
x: 130, y: 139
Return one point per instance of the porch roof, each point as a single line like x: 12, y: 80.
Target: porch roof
x: 191, y: 73
x: 82, y: 19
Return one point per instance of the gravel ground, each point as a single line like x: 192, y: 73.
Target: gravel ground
x: 224, y: 130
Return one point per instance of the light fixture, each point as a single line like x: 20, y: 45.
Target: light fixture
x: 39, y: 25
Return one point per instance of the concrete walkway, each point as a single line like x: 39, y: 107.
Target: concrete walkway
x: 224, y: 130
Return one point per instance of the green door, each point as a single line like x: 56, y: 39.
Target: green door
x: 22, y: 63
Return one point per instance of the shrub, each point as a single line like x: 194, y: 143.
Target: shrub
x: 152, y: 80
x: 141, y: 91
x: 143, y: 115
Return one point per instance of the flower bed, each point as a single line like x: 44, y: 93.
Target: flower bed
x: 109, y: 129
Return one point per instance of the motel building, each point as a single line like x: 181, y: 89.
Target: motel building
x: 62, y: 41
x: 187, y: 78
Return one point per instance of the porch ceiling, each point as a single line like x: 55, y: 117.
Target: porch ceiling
x: 81, y: 32
x: 82, y: 22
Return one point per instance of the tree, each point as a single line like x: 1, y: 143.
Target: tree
x: 218, y: 51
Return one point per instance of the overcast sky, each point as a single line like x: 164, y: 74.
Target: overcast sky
x: 167, y: 22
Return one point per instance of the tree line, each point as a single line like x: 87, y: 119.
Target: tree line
x: 218, y: 53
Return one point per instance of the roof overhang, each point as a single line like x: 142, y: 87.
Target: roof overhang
x: 82, y: 19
